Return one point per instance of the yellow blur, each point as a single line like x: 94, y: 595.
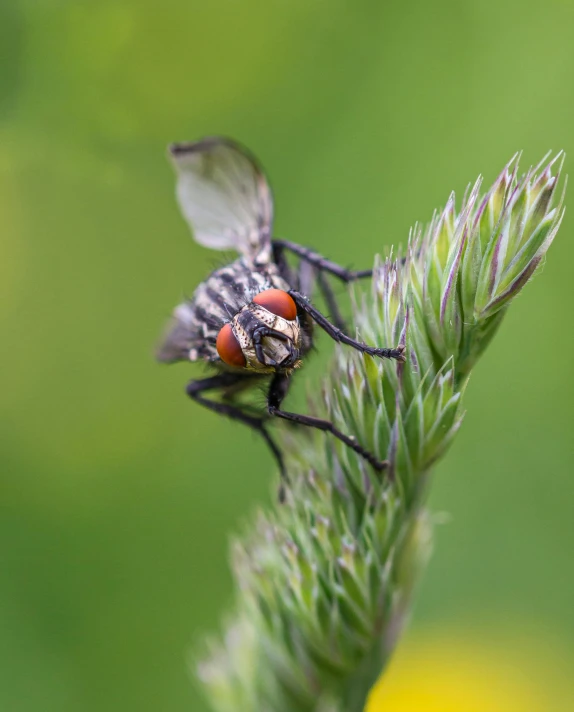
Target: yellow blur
x: 457, y: 673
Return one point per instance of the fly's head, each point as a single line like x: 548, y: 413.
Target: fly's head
x: 264, y: 336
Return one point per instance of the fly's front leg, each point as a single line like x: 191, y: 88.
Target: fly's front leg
x: 336, y: 334
x: 312, y: 265
x: 277, y: 392
x: 320, y: 262
x: 222, y: 381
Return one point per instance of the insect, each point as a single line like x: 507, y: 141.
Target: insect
x: 251, y: 320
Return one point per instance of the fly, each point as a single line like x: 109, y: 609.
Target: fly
x: 252, y: 319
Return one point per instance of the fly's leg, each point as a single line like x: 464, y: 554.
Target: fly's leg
x: 281, y: 262
x: 312, y: 266
x: 195, y: 390
x: 278, y: 391
x: 258, y: 335
x: 338, y: 335
x: 322, y: 264
x: 330, y: 301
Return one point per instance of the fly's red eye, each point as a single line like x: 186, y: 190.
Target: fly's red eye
x: 277, y: 302
x: 228, y: 347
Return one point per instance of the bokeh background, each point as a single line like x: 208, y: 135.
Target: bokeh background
x: 117, y: 494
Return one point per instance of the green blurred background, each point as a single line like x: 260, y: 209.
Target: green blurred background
x: 117, y: 494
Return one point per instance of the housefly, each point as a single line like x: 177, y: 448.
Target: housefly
x: 252, y: 320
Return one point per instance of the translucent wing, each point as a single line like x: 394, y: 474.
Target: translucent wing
x: 224, y: 196
x: 188, y: 339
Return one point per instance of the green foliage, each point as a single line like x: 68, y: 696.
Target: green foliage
x: 325, y: 581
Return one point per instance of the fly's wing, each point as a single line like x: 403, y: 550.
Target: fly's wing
x: 187, y: 339
x: 224, y: 197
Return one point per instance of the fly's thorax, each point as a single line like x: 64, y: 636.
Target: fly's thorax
x: 279, y: 350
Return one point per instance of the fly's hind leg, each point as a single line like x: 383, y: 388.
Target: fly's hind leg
x: 222, y: 382
x: 278, y: 391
